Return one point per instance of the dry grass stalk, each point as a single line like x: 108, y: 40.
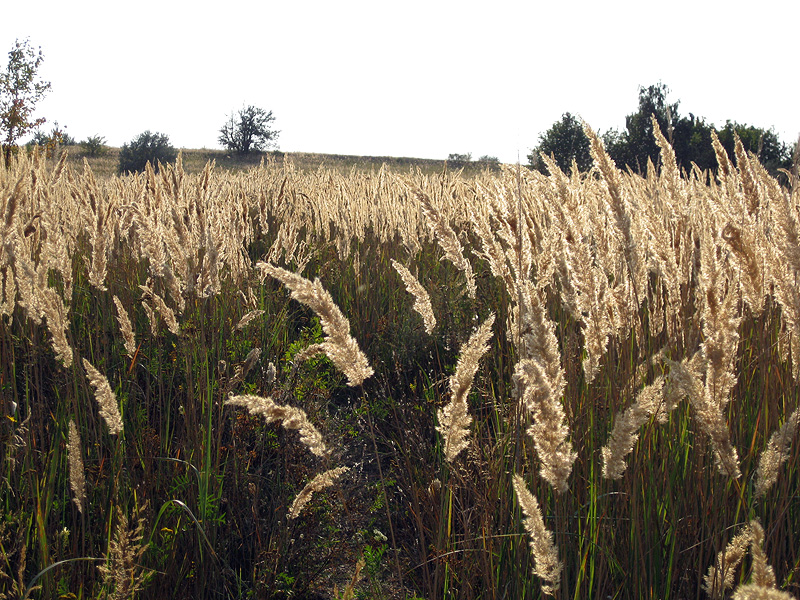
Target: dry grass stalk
x: 422, y: 302
x: 625, y: 433
x: 539, y: 377
x: 448, y: 240
x: 99, y: 266
x: 57, y: 323
x: 618, y: 206
x: 545, y: 554
x: 719, y: 347
x: 454, y: 419
x: 125, y: 328
x: 776, y: 453
x: 762, y: 585
x: 339, y: 345
x: 751, y: 591
x: 77, y: 477
x: 245, y: 320
x: 720, y: 576
x: 684, y: 382
x: 166, y: 313
x: 122, y: 571
x: 289, y: 416
x: 319, y: 483
x: 105, y: 397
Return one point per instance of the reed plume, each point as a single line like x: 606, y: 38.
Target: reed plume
x: 106, y: 400
x: 246, y: 319
x: 448, y: 240
x: 720, y: 575
x: 539, y: 377
x: 319, y: 483
x: 422, y: 302
x: 454, y: 419
x: 776, y: 453
x: 289, y: 416
x: 77, y: 476
x: 545, y: 554
x: 125, y: 328
x: 762, y: 585
x: 625, y: 433
x: 339, y: 346
x: 122, y: 571
x: 57, y: 323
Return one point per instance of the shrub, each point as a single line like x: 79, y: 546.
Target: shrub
x: 146, y: 147
x: 94, y: 145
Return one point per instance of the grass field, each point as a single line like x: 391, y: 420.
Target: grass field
x: 331, y: 377
x: 105, y: 165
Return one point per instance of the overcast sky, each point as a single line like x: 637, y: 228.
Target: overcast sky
x: 406, y: 78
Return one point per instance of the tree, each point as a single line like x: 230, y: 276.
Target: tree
x: 566, y: 142
x: 764, y: 143
x: 634, y: 146
x: 248, y: 131
x: 144, y: 148
x: 58, y: 136
x: 459, y: 160
x: 21, y: 89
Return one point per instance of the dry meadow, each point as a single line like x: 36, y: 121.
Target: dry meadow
x: 311, y: 383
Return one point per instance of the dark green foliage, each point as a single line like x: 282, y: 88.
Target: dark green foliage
x: 566, y: 142
x: 57, y: 137
x: 94, y: 145
x: 690, y: 137
x: 146, y: 147
x: 636, y: 145
x: 249, y: 130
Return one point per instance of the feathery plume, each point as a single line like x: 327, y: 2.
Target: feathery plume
x: 105, y: 397
x: 776, y: 453
x: 549, y: 431
x: 763, y: 573
x: 540, y: 380
x: 762, y: 585
x: 125, y: 328
x: 319, y: 483
x: 122, y: 571
x: 448, y: 240
x: 77, y: 477
x: 166, y: 313
x: 339, y: 345
x: 454, y: 418
x: 57, y: 323
x: 245, y: 320
x: 545, y: 554
x: 720, y: 575
x: 625, y: 433
x: 289, y: 416
x: 422, y: 303
x: 751, y: 591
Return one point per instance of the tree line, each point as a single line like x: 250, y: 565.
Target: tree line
x: 635, y: 145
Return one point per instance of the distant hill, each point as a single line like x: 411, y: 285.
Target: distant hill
x: 195, y: 160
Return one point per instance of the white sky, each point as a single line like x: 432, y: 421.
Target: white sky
x: 421, y: 78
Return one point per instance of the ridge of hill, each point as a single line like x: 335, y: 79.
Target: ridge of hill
x: 194, y: 160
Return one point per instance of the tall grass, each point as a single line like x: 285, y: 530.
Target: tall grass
x: 493, y: 386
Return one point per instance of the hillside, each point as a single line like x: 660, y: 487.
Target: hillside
x: 195, y: 159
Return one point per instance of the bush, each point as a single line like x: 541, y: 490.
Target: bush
x: 94, y: 145
x: 146, y: 147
